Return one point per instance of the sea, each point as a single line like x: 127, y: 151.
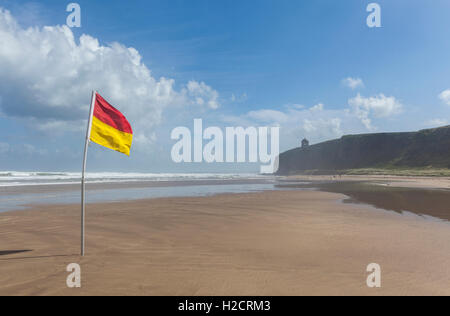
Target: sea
x: 17, y: 178
x: 20, y: 190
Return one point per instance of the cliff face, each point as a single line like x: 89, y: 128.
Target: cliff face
x: 426, y: 148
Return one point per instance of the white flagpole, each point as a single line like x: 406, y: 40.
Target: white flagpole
x: 83, y: 185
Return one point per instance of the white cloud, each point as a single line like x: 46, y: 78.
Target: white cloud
x: 324, y: 126
x: 295, y: 106
x: 144, y: 140
x: 239, y: 99
x: 353, y: 83
x: 315, y: 123
x: 47, y: 77
x: 436, y: 123
x: 268, y: 116
x: 203, y: 94
x: 22, y: 149
x: 317, y: 107
x: 51, y: 125
x: 445, y: 96
x: 379, y: 106
x: 28, y: 149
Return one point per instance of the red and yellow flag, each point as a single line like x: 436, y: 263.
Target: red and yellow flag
x: 110, y: 128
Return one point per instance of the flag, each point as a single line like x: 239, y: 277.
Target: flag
x: 110, y: 128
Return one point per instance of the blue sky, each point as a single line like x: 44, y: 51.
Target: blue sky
x: 261, y: 63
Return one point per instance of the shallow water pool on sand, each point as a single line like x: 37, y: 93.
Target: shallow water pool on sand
x: 429, y: 202
x: 49, y: 195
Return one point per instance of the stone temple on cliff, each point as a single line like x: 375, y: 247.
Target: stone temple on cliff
x: 305, y: 143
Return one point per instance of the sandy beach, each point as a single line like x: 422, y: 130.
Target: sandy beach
x: 269, y: 243
x: 203, y: 151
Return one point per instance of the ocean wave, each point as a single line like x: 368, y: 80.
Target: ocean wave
x: 17, y: 178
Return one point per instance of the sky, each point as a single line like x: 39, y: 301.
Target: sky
x: 313, y: 68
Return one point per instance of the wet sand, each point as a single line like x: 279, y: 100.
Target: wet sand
x: 392, y: 181
x: 20, y: 197
x: 13, y: 190
x: 271, y: 243
x: 421, y: 201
